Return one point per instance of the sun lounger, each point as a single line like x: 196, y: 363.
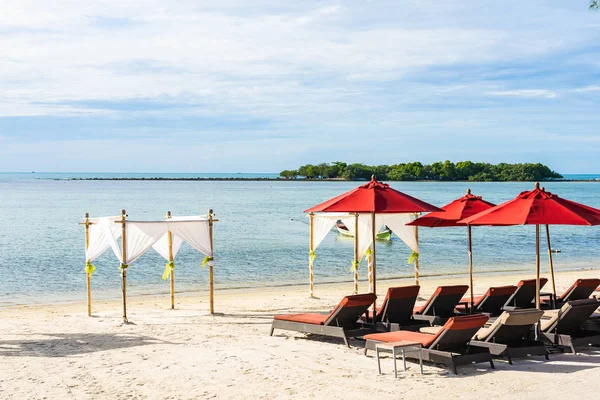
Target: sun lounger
x: 341, y: 322
x: 490, y: 303
x: 396, y: 309
x: 511, y: 335
x: 441, y: 304
x: 580, y: 290
x: 565, y: 327
x: 448, y: 346
x: 524, y: 295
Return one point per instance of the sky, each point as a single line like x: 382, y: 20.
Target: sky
x: 266, y: 85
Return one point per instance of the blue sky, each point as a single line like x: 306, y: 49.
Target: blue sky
x: 261, y: 86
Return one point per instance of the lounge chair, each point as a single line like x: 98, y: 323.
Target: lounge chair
x: 565, y: 327
x: 580, y: 290
x: 448, y: 346
x: 396, y: 309
x: 524, y: 295
x: 340, y: 322
x: 441, y: 304
x: 490, y: 303
x: 511, y: 335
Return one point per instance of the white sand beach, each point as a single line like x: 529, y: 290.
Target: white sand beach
x: 57, y: 352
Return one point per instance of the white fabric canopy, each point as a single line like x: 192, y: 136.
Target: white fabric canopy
x: 101, y: 230
x: 322, y: 224
x: 162, y: 246
x: 397, y: 223
x: 143, y: 235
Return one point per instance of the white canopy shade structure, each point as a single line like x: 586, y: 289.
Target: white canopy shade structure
x: 361, y: 227
x: 137, y: 237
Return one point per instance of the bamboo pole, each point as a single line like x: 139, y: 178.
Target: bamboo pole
x: 172, y: 274
x: 88, y: 276
x: 417, y: 259
x: 374, y: 234
x: 537, y: 267
x: 356, y: 255
x: 124, y: 256
x: 210, y: 266
x: 370, y: 267
x: 470, y: 268
x: 311, y: 247
x: 551, y: 262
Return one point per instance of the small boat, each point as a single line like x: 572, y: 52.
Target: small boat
x: 384, y: 234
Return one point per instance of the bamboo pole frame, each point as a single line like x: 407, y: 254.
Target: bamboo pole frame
x: 311, y: 246
x: 87, y: 260
x: 210, y: 266
x: 356, y: 255
x: 172, y: 272
x: 124, y: 263
x: 417, y: 259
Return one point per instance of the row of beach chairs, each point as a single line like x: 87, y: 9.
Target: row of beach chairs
x: 500, y: 324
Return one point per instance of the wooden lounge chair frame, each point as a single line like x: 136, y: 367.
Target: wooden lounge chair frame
x: 511, y: 340
x: 566, y: 329
x: 581, y: 289
x: 396, y: 310
x: 441, y: 305
x: 443, y: 350
x: 492, y: 301
x: 524, y: 295
x: 342, y: 322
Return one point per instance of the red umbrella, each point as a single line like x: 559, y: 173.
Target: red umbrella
x: 374, y: 197
x: 537, y: 207
x: 454, y: 212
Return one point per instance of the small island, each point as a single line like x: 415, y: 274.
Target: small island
x: 415, y: 171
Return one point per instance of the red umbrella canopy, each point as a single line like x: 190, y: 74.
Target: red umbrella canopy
x: 374, y: 197
x: 455, y: 211
x: 537, y: 207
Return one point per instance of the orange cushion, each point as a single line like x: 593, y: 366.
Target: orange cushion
x: 466, y: 322
x: 314, y: 319
x: 388, y: 337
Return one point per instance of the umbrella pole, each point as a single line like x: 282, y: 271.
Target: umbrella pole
x: 355, y: 264
x: 172, y: 274
x: 310, y: 255
x: 88, y: 276
x: 124, y: 262
x: 470, y: 268
x: 551, y: 263
x: 211, y: 286
x: 374, y: 234
x: 537, y: 267
x: 417, y: 259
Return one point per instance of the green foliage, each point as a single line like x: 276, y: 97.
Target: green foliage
x: 437, y: 171
x: 594, y: 5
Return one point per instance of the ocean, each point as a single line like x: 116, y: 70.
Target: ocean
x: 260, y: 240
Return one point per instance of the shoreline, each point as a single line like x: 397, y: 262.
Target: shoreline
x: 184, y: 179
x: 113, y: 295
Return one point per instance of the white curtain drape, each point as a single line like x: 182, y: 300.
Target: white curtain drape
x: 397, y: 223
x: 195, y: 233
x: 162, y: 246
x: 141, y: 236
x: 100, y: 232
x: 322, y: 224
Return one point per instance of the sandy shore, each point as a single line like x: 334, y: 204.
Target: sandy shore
x: 57, y: 352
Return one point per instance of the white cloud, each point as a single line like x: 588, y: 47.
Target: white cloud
x: 524, y: 93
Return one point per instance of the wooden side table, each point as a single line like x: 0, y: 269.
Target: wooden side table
x: 403, y: 346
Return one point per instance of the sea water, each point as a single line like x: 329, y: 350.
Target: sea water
x: 261, y: 238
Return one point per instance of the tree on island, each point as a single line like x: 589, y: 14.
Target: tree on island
x: 437, y: 171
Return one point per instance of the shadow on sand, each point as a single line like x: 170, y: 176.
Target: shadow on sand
x: 64, y: 345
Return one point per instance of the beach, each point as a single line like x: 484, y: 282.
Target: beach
x: 54, y: 351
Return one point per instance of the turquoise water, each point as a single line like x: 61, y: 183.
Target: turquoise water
x: 259, y: 239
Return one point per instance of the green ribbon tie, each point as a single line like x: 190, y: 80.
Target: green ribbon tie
x: 354, y: 266
x: 413, y: 257
x: 123, y: 267
x: 368, y: 253
x: 206, y: 260
x: 312, y: 256
x: 169, y: 267
x: 89, y: 268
